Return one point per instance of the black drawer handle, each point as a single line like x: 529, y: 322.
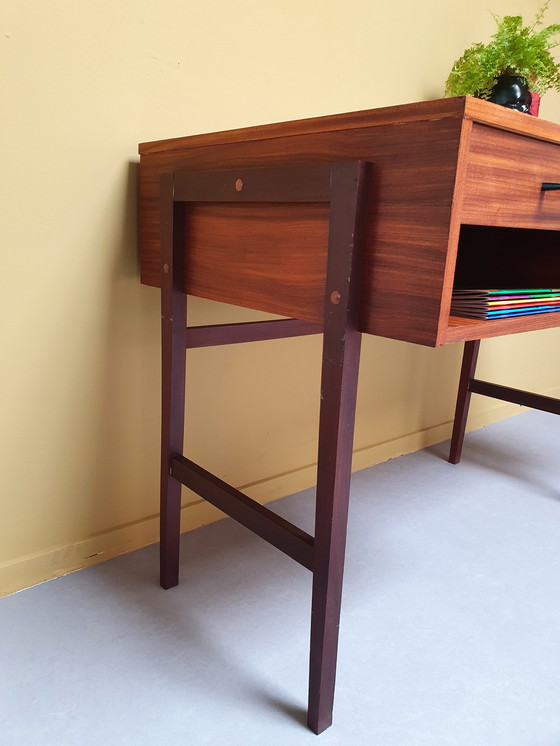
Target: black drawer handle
x: 550, y: 187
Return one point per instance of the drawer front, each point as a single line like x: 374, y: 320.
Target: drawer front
x: 503, y: 180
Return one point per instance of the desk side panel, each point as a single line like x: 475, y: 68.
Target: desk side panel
x: 270, y: 257
x: 273, y: 257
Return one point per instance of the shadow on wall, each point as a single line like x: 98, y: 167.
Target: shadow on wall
x: 124, y: 489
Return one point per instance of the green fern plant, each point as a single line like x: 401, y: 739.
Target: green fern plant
x: 515, y: 49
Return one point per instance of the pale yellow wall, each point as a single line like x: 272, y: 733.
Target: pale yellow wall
x: 81, y: 84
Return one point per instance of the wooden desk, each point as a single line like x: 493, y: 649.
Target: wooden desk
x: 351, y: 223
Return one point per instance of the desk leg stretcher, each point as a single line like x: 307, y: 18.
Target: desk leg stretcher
x: 341, y: 185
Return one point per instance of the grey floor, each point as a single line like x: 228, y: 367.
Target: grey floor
x: 450, y: 630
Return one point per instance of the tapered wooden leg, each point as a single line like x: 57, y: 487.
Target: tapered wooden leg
x: 335, y: 462
x: 468, y: 368
x: 341, y: 351
x: 173, y: 333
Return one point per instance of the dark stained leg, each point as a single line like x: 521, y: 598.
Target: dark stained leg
x: 173, y: 339
x: 468, y: 368
x: 341, y: 352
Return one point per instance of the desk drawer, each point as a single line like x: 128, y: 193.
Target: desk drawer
x: 503, y: 180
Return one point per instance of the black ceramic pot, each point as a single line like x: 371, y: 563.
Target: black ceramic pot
x: 513, y: 92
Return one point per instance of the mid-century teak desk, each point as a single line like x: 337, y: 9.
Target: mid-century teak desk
x: 346, y: 224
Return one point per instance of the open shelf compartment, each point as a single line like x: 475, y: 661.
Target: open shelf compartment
x: 496, y: 257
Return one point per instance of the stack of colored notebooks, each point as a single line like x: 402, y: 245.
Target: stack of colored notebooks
x: 501, y: 304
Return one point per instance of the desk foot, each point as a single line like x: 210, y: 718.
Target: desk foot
x: 318, y: 725
x: 170, y: 534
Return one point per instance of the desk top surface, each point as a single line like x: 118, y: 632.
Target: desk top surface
x: 471, y: 108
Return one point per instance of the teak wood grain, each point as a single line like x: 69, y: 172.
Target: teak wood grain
x: 439, y: 167
x: 503, y: 180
